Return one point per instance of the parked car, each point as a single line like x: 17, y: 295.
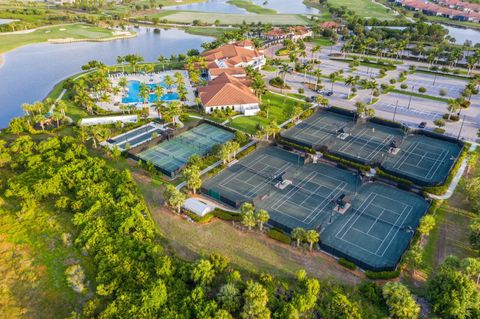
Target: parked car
x: 422, y: 125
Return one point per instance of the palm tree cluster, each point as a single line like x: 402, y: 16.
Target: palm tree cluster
x: 252, y: 218
x: 301, y: 235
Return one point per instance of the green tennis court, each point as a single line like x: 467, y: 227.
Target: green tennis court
x: 425, y: 160
x: 380, y: 219
x: 170, y: 156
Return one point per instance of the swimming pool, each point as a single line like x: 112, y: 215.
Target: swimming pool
x: 134, y: 90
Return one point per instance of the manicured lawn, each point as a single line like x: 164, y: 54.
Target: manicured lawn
x: 323, y: 42
x: 76, y: 31
x: 364, y: 8
x: 211, y: 32
x: 234, y: 19
x: 251, y: 7
x: 279, y: 110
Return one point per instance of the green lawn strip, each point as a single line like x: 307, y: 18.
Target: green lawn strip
x: 420, y: 95
x: 364, y: 8
x: 430, y: 249
x: 251, y: 7
x: 324, y: 42
x: 235, y: 19
x: 76, y: 31
x: 444, y: 75
x: 369, y: 64
x: 210, y: 32
x: 279, y: 110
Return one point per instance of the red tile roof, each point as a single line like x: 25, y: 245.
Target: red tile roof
x: 226, y: 90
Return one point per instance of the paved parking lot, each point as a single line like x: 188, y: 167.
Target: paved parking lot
x: 434, y: 84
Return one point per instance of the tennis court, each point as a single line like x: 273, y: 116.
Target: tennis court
x: 137, y: 136
x: 380, y: 220
x: 423, y: 159
x: 378, y: 227
x: 170, y: 156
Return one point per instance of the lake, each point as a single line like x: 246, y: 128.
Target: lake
x: 7, y: 21
x: 30, y: 72
x: 461, y: 34
x: 221, y: 6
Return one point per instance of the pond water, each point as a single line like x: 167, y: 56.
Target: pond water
x: 461, y: 34
x: 30, y: 72
x: 221, y: 6
x: 6, y: 21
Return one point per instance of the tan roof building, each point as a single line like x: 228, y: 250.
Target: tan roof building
x: 240, y: 54
x: 226, y: 91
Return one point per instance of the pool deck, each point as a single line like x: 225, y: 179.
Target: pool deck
x: 147, y: 78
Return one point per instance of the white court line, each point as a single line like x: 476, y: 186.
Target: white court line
x: 321, y: 205
x: 398, y: 229
x: 351, y: 225
x: 358, y: 137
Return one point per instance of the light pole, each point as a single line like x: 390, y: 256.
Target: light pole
x: 411, y: 95
x: 395, y: 111
x: 461, y: 128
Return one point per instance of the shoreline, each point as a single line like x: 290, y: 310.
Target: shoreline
x: 60, y: 40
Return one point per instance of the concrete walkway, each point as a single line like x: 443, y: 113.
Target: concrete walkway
x: 456, y: 179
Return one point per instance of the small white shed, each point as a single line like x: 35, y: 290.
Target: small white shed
x: 197, y: 207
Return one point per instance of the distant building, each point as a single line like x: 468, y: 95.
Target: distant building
x: 233, y: 56
x: 331, y: 25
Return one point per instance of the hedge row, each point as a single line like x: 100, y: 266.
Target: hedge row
x: 382, y: 274
x: 402, y: 182
x: 199, y: 219
x: 279, y: 235
x: 280, y: 140
x: 228, y: 216
x: 346, y: 162
x: 347, y: 264
x: 442, y: 189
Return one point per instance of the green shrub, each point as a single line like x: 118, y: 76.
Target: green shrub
x: 228, y: 216
x: 404, y: 86
x: 347, y: 264
x: 346, y: 162
x: 279, y: 235
x: 402, y: 182
x: 422, y: 89
x: 301, y: 90
x: 382, y: 274
x: 199, y: 219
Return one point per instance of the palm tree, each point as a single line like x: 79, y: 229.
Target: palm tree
x: 285, y: 69
x: 350, y: 81
x: 159, y: 92
x: 169, y: 82
x: 259, y: 87
x: 318, y: 76
x: 298, y: 234
x: 121, y: 60
x: 314, y: 50
x: 372, y: 85
x: 61, y: 106
x: 333, y: 78
x: 162, y: 61
x: 144, y: 92
x: 453, y: 106
x: 99, y: 134
x: 57, y: 117
x: 307, y: 68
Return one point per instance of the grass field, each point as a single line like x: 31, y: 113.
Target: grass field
x: 324, y: 42
x: 211, y: 32
x: 279, y: 110
x: 233, y: 19
x: 365, y: 8
x: 251, y: 7
x: 77, y: 31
